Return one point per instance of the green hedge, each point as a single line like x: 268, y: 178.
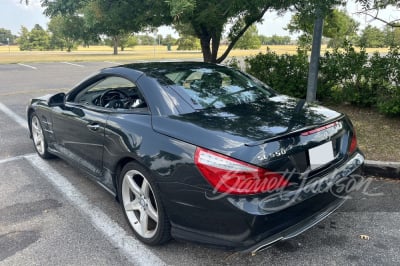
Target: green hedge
x: 345, y: 76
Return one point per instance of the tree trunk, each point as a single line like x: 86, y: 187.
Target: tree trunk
x: 216, y: 40
x: 115, y: 39
x: 205, y: 49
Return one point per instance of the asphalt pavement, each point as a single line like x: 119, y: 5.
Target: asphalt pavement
x: 52, y: 214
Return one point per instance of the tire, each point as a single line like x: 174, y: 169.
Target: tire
x: 38, y: 137
x: 142, y: 206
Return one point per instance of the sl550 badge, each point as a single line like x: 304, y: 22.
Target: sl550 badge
x: 278, y: 153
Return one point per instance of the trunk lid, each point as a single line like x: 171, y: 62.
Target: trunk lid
x: 276, y: 134
x: 245, y: 125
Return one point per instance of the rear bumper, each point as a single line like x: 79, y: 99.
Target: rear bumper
x: 296, y: 229
x: 253, y: 224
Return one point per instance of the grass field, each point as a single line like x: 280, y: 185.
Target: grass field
x: 12, y: 54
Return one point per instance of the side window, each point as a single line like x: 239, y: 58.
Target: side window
x: 112, y: 92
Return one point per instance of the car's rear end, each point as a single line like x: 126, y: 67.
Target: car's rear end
x: 289, y: 183
x: 265, y: 166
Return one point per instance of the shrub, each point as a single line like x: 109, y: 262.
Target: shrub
x: 389, y: 101
x: 345, y: 76
x: 286, y: 74
x: 387, y: 81
x: 348, y: 73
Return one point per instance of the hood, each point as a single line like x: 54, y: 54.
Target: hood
x: 44, y: 98
x: 247, y: 124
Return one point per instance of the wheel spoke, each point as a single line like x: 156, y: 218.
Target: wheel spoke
x: 152, y: 213
x: 145, y: 188
x: 144, y: 219
x: 133, y: 186
x: 38, y: 140
x: 35, y: 127
x: 132, y: 206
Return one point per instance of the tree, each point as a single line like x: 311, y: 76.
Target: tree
x: 67, y: 31
x: 392, y: 35
x: 39, y: 38
x: 188, y: 42
x: 132, y: 41
x: 36, y: 39
x: 128, y: 41
x: 249, y: 40
x: 146, y: 39
x: 207, y: 19
x: 168, y: 40
x: 23, y: 40
x: 338, y: 27
x: 275, y: 40
x: 372, y: 37
x: 116, y: 19
x: 6, y: 37
x: 104, y: 17
x: 372, y: 7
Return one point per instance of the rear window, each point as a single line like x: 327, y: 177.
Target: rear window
x: 218, y: 87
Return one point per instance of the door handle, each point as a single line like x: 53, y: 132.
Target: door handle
x: 94, y: 127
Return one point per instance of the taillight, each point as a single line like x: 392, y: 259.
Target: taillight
x: 231, y: 176
x: 353, y: 143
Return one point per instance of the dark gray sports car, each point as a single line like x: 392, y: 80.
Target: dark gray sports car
x: 201, y: 152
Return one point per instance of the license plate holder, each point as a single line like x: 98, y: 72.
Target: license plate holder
x: 321, y: 155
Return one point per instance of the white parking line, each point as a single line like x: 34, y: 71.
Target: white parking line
x: 21, y: 121
x: 28, y: 66
x: 111, y: 62
x: 134, y: 250
x: 131, y: 248
x: 72, y: 64
x: 16, y: 158
x: 33, y: 91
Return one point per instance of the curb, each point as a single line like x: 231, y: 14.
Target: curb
x: 383, y: 169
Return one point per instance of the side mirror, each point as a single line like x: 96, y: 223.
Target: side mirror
x: 57, y: 100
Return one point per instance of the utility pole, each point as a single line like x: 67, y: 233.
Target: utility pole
x: 315, y: 56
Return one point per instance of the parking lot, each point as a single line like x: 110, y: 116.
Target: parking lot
x: 51, y: 214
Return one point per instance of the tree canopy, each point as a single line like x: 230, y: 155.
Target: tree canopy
x: 36, y: 39
x: 249, y: 40
x: 67, y: 30
x: 205, y: 19
x: 6, y: 37
x: 372, y: 7
x: 116, y: 19
x: 392, y: 35
x: 372, y: 37
x: 338, y: 27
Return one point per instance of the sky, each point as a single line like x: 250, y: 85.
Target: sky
x: 13, y: 15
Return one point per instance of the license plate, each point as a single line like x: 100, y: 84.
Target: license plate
x: 321, y: 155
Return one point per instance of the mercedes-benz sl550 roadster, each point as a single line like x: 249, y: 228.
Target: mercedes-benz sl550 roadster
x: 201, y: 152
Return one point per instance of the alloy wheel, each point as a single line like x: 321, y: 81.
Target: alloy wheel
x: 37, y: 134
x: 139, y: 204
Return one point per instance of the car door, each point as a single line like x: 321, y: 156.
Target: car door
x: 79, y: 125
x: 79, y: 132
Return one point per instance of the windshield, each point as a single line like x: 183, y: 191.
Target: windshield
x: 217, y: 87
